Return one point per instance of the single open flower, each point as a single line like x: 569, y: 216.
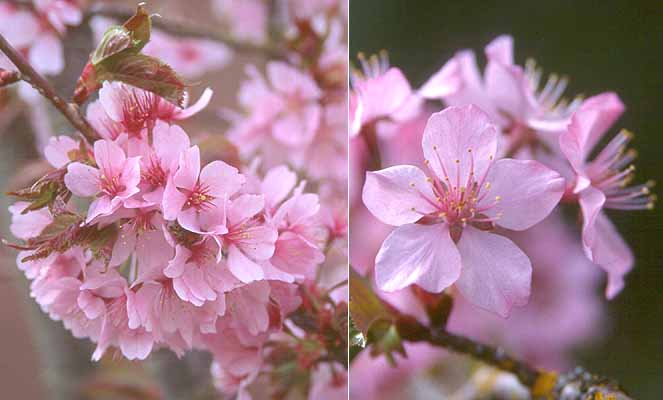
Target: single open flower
x: 603, y: 183
x: 444, y: 220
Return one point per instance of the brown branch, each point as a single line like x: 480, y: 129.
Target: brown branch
x: 577, y: 384
x: 183, y: 28
x: 34, y: 78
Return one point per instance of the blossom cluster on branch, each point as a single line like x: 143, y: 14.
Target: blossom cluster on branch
x: 474, y: 212
x: 142, y: 239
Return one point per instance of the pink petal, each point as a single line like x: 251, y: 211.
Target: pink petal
x: 496, y: 274
x: 390, y: 196
x: 289, y: 80
x: 501, y: 50
x: 130, y: 176
x: 169, y: 142
x: 297, y: 129
x: 46, y: 54
x: 444, y: 82
x: 28, y: 225
x: 257, y: 242
x: 471, y: 89
x: 109, y: 157
x: 176, y: 266
x: 383, y: 95
x: 91, y: 305
x: 528, y: 192
x: 423, y: 255
x: 356, y: 111
x: 244, y: 207
x: 82, y: 179
x: 124, y: 245
x: 278, y: 182
x: 197, y: 107
x: 242, y: 267
x: 189, y: 168
x: 136, y: 344
x: 459, y: 140
x: 173, y: 201
x: 588, y: 125
x: 221, y: 179
x: 100, y: 206
x: 296, y: 255
x: 57, y: 151
x: 612, y: 254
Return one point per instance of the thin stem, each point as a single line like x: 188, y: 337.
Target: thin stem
x: 186, y: 29
x: 412, y: 330
x: 30, y: 75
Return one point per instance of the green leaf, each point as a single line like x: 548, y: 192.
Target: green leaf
x: 139, y: 26
x: 144, y: 72
x: 365, y: 306
x: 116, y: 39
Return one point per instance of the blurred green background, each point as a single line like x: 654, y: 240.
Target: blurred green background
x: 600, y: 45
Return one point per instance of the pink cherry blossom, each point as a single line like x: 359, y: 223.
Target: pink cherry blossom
x: 28, y: 225
x: 197, y: 198
x: 58, y: 150
x: 602, y: 183
x: 444, y: 221
x: 381, y: 92
x: 113, y: 182
x: 247, y: 18
x: 525, y: 112
x: 122, y: 108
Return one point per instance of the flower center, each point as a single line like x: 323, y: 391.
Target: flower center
x: 459, y: 201
x: 154, y: 174
x: 199, y: 197
x: 111, y: 185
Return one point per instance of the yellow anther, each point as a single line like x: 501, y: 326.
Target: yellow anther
x: 434, y: 147
x: 457, y: 161
x: 426, y: 162
x: 498, y: 198
x: 429, y: 179
x: 487, y: 185
x: 469, y: 150
x: 411, y: 184
x: 442, y: 214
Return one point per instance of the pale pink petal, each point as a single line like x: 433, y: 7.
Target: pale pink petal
x: 82, y: 179
x: 296, y: 255
x: 176, y: 266
x: 109, y: 157
x: 91, y: 305
x: 496, y: 275
x: 130, y: 176
x: 398, y: 195
x: 383, y: 95
x: 169, y: 142
x: 297, y: 129
x: 57, y: 150
x: 112, y: 96
x: 136, y: 344
x: 588, y: 125
x: 457, y: 141
x: 291, y: 81
x: 124, y: 245
x: 528, y: 191
x: 244, y: 207
x: 501, y: 50
x: 277, y: 184
x: 28, y: 225
x: 256, y: 242
x: 189, y: 168
x: 612, y: 254
x: 197, y: 107
x: 242, y: 267
x: 444, y: 82
x: 221, y: 179
x: 471, y: 89
x: 46, y: 54
x: 173, y: 201
x: 423, y: 255
x: 100, y: 206
x: 356, y: 111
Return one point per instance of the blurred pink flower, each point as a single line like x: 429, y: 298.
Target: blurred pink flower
x: 470, y: 193
x: 602, y: 183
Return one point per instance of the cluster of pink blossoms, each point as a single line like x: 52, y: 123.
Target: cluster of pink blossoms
x: 505, y: 153
x: 190, y: 253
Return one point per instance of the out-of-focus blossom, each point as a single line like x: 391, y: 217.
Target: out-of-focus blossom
x: 444, y: 221
x: 381, y: 92
x: 603, y: 183
x: 531, y: 117
x: 247, y: 19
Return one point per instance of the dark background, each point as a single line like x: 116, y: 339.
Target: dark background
x: 600, y: 45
